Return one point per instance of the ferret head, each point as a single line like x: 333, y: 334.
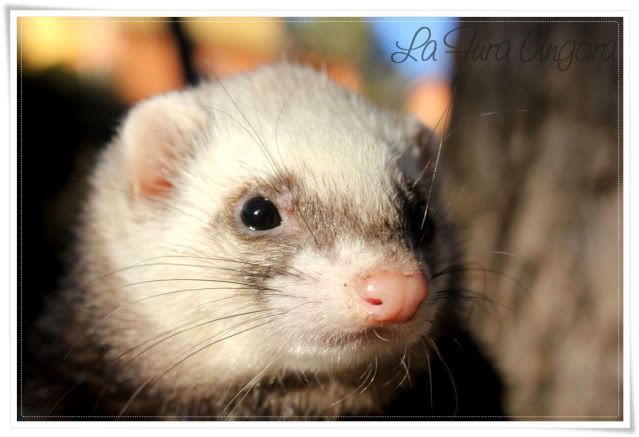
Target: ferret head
x: 268, y: 223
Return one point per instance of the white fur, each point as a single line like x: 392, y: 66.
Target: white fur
x: 333, y: 139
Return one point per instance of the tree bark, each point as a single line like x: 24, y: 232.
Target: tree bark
x: 533, y: 173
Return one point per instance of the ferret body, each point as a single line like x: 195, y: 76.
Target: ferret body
x: 267, y: 245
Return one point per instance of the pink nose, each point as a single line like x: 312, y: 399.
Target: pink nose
x: 389, y: 296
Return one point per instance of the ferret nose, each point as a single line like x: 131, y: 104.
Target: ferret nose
x: 389, y: 296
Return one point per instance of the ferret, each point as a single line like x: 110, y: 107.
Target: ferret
x: 267, y: 245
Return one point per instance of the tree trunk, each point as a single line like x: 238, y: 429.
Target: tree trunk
x: 533, y: 172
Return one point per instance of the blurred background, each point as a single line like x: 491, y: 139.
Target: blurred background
x: 531, y: 160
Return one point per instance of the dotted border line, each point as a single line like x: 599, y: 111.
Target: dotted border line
x: 326, y: 417
x: 619, y: 229
x: 395, y: 20
x: 21, y: 251
x: 301, y: 20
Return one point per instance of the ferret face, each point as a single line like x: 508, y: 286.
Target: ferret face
x: 336, y: 261
x: 271, y: 229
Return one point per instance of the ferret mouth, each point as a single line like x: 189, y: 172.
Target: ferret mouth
x: 371, y: 335
x: 350, y: 349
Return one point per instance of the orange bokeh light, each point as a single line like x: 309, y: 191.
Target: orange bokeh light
x: 430, y: 102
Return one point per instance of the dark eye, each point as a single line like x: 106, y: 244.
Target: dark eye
x: 260, y: 214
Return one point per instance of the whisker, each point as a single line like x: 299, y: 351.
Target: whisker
x: 478, y: 116
x: 200, y: 349
x: 257, y: 113
x: 88, y: 332
x: 364, y: 377
x: 442, y: 117
x: 249, y: 385
x: 164, y: 280
x: 460, y: 268
x: 450, y: 374
x: 143, y: 385
x: 249, y: 294
x: 260, y: 141
x: 430, y: 375
x: 501, y: 252
x: 207, y: 266
x: 199, y: 325
x: 300, y: 274
x: 406, y: 371
x: 97, y: 402
x: 372, y: 378
x: 277, y: 121
x: 64, y: 396
x: 379, y: 336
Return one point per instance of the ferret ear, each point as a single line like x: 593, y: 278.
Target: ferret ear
x: 157, y: 135
x: 426, y: 142
x: 420, y: 150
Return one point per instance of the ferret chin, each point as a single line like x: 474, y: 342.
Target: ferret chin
x: 269, y: 243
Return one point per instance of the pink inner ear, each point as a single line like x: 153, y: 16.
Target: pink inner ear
x: 155, y: 187
x: 157, y: 135
x: 150, y: 169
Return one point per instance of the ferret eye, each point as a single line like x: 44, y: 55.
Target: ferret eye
x: 260, y: 214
